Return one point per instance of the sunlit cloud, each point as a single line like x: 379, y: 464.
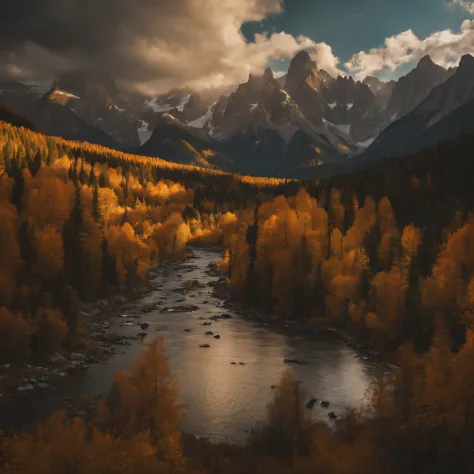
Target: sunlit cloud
x: 445, y: 48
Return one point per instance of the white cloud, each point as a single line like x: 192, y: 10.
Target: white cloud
x: 325, y: 59
x: 226, y: 60
x: 467, y: 5
x: 445, y: 48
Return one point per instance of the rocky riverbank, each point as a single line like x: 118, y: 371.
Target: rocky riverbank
x: 93, y: 344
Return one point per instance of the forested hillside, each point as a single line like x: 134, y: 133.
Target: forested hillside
x: 80, y: 221
x: 387, y: 253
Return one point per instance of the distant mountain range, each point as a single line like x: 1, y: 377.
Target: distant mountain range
x: 303, y: 124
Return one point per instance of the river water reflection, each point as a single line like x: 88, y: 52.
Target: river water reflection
x: 222, y: 401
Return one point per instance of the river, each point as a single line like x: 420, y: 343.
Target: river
x: 222, y: 401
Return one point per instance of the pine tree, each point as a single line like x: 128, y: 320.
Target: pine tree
x: 96, y: 211
x: 35, y: 165
x: 83, y: 177
x: 73, y: 248
x: 92, y: 177
x: 412, y: 323
x: 15, y: 171
x: 252, y: 237
x: 109, y: 269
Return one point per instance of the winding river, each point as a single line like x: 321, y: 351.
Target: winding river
x: 222, y: 401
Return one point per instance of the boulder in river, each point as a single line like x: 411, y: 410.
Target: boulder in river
x: 110, y: 337
x: 187, y: 330
x: 226, y: 316
x: 206, y: 324
x: 209, y: 333
x: 204, y: 346
x: 144, y: 325
x: 217, y: 336
x: 324, y: 403
x: 332, y: 415
x: 25, y: 388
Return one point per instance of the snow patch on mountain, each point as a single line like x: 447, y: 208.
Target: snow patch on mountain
x: 332, y: 105
x: 181, y: 105
x: 118, y: 109
x: 164, y: 106
x: 344, y: 128
x: 158, y: 107
x: 366, y: 143
x: 143, y: 133
x: 201, y: 122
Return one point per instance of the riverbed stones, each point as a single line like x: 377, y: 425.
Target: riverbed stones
x: 56, y: 358
x: 181, y: 309
x: 76, y: 356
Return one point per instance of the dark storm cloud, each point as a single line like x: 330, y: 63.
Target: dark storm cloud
x: 154, y: 44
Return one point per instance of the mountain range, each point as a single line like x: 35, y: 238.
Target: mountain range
x: 304, y: 124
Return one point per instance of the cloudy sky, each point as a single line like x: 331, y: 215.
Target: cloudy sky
x: 155, y: 45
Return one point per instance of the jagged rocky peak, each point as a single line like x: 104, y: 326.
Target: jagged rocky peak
x: 167, y: 119
x: 412, y: 89
x: 262, y: 80
x: 59, y: 96
x: 326, y: 77
x: 303, y: 70
x: 376, y: 85
x: 84, y: 81
x: 97, y: 88
x: 466, y: 64
x: 344, y: 90
x: 426, y: 62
